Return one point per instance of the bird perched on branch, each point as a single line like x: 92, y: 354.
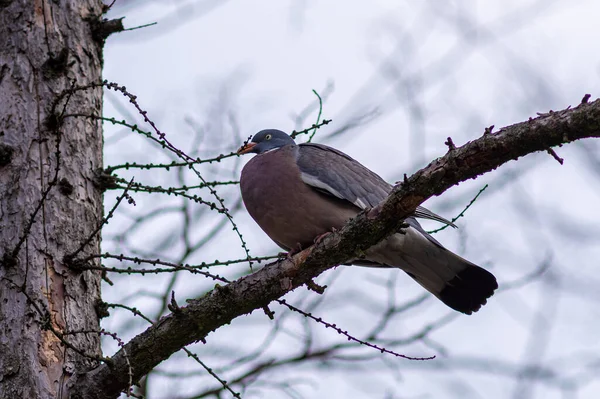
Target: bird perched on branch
x: 298, y: 192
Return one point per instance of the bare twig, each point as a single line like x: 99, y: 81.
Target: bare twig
x: 462, y: 213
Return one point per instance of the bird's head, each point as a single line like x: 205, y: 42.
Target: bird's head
x: 266, y: 140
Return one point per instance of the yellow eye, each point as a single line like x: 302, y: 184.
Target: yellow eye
x: 268, y: 137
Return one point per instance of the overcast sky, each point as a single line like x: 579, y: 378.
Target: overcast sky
x: 404, y: 75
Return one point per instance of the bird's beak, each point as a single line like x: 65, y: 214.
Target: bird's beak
x: 246, y: 148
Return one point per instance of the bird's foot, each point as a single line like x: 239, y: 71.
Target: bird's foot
x: 320, y: 237
x: 288, y: 255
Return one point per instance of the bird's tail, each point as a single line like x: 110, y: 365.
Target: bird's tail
x: 467, y: 291
x: 458, y: 283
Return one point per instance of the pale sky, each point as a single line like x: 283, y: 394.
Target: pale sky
x: 424, y: 70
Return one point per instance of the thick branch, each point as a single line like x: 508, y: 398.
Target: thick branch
x: 217, y: 308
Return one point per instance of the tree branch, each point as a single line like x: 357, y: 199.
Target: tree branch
x: 219, y: 307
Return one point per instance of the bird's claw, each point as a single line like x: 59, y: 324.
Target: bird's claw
x: 288, y: 255
x: 320, y: 237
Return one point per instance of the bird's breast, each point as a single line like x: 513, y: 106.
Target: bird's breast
x: 287, y: 209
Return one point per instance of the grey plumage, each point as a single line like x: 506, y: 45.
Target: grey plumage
x: 347, y: 178
x: 298, y: 192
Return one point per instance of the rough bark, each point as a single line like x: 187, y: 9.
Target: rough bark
x: 217, y: 308
x: 48, y: 203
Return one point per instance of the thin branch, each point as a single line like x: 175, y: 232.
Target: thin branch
x: 315, y: 126
x: 318, y: 116
x: 71, y: 257
x: 141, y: 26
x: 462, y: 213
x: 203, y: 265
x: 166, y: 144
x: 350, y: 337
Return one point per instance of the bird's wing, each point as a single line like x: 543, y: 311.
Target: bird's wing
x: 335, y: 173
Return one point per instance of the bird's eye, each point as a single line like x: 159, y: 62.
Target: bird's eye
x: 268, y: 137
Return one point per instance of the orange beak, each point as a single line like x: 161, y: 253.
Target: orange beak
x: 246, y: 148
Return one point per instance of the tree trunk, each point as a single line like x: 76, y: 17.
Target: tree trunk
x: 48, y: 202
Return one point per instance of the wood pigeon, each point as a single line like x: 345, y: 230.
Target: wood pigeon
x: 297, y: 193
